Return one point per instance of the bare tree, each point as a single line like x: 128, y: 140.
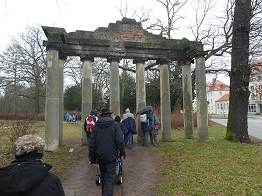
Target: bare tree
x: 27, y: 58
x: 72, y: 70
x: 172, y: 8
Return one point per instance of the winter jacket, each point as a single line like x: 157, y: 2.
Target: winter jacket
x: 122, y: 127
x: 29, y: 178
x: 106, y: 141
x: 130, y: 124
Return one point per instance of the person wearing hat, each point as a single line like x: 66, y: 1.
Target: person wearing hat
x: 106, y: 145
x: 28, y: 175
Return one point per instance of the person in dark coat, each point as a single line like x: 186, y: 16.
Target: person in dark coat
x: 28, y: 175
x: 106, y: 145
x: 130, y: 124
x: 122, y: 127
x: 146, y: 120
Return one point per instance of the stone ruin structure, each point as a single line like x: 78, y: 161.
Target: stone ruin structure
x: 124, y: 39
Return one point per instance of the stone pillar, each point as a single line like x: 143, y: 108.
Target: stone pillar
x: 165, y: 104
x: 114, y: 87
x: 187, y: 99
x: 258, y: 108
x: 201, y: 99
x: 52, y: 107
x: 140, y: 91
x: 86, y: 105
x: 140, y: 84
x: 61, y: 98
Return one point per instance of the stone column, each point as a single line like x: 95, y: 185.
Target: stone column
x: 201, y: 99
x: 140, y: 91
x: 86, y: 105
x: 52, y: 107
x: 114, y: 86
x: 62, y: 59
x: 165, y: 104
x: 140, y: 84
x: 258, y: 108
x: 187, y: 99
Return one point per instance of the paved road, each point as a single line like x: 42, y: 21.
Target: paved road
x: 254, y: 125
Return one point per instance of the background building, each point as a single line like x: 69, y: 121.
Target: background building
x: 215, y: 90
x: 222, y: 105
x: 255, y: 87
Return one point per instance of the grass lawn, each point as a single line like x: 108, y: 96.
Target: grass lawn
x: 215, y: 167
x: 61, y: 159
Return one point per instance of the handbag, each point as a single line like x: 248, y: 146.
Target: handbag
x: 134, y: 131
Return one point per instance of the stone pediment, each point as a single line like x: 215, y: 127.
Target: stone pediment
x: 123, y: 38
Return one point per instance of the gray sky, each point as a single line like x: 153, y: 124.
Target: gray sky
x: 16, y: 15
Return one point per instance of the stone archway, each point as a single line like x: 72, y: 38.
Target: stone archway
x: 124, y: 39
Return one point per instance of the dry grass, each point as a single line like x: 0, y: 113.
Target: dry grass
x: 61, y: 159
x: 177, y: 120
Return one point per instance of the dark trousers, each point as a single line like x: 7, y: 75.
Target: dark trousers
x: 108, y: 171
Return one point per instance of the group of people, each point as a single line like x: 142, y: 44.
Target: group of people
x: 148, y: 120
x: 149, y: 125
x: 28, y: 175
x: 107, y: 138
x: 72, y: 117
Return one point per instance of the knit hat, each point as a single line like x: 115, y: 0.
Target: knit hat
x: 127, y: 110
x: 27, y: 144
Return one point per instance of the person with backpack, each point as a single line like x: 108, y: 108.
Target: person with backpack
x: 89, y: 124
x: 146, y: 120
x: 105, y: 147
x: 154, y: 130
x: 130, y: 124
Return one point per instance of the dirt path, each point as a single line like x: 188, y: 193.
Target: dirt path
x: 141, y: 173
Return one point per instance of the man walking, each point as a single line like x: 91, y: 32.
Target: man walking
x: 106, y: 145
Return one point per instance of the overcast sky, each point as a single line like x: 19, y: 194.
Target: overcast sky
x: 16, y: 15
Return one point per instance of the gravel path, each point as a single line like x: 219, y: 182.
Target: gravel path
x: 141, y: 174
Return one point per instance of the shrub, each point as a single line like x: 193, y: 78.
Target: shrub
x: 177, y: 120
x: 22, y: 116
x: 20, y: 128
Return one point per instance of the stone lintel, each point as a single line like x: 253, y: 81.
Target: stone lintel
x: 50, y: 45
x: 123, y: 39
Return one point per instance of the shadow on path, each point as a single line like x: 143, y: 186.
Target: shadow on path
x: 141, y: 174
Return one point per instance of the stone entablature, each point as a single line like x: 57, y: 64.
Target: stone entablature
x: 123, y: 39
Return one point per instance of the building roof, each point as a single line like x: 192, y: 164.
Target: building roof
x: 217, y: 85
x: 257, y: 67
x: 224, y: 98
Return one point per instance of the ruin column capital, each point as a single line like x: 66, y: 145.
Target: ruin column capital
x: 62, y: 56
x: 162, y: 61
x: 86, y: 58
x: 139, y: 60
x: 110, y: 59
x: 184, y: 62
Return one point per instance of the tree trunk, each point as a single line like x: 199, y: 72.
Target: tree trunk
x: 237, y: 129
x: 37, y: 96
